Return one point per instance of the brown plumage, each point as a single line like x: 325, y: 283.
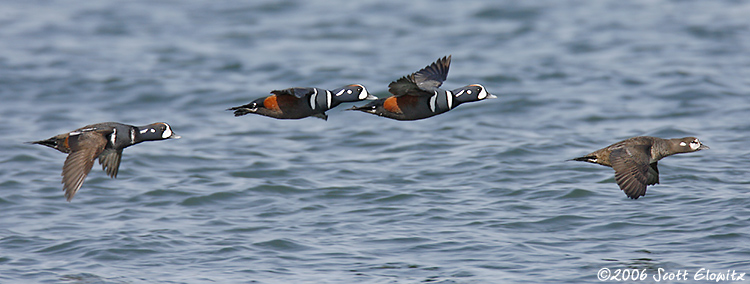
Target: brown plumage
x: 104, y: 141
x: 83, y: 148
x: 635, y: 160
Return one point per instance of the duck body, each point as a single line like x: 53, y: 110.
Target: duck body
x: 301, y: 102
x: 418, y: 95
x: 635, y: 160
x: 104, y: 141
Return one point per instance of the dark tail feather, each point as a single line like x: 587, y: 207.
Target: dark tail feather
x: 52, y: 143
x: 589, y: 159
x: 241, y: 110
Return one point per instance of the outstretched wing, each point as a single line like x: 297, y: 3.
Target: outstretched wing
x: 85, y: 147
x: 632, y: 169
x: 423, y: 82
x: 653, y: 174
x: 110, y: 161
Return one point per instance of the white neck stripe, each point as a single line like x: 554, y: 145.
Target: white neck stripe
x: 449, y: 97
x: 113, y: 136
x: 313, y: 97
x: 328, y: 98
x: 433, y: 101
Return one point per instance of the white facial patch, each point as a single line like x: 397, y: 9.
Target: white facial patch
x: 695, y: 145
x: 683, y: 144
x: 340, y: 93
x: 348, y: 92
x: 460, y: 93
x: 363, y: 95
x: 468, y: 92
x: 313, y: 97
x: 167, y: 132
x: 153, y: 130
x: 144, y: 131
x: 482, y: 93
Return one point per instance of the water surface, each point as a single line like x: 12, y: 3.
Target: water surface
x: 481, y: 194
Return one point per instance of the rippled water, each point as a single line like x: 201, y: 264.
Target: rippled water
x: 481, y: 194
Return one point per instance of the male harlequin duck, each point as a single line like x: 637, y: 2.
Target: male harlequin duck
x: 634, y: 160
x: 296, y: 103
x: 104, y: 141
x: 418, y: 95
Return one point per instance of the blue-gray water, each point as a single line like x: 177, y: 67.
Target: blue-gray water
x: 481, y: 194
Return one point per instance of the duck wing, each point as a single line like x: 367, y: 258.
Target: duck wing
x: 632, y: 167
x: 423, y: 82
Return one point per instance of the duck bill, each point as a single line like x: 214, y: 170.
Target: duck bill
x: 371, y: 97
x: 174, y: 136
x: 491, y: 96
x: 703, y: 147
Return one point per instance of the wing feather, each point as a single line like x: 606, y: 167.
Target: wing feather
x: 110, y: 161
x: 77, y: 166
x: 423, y: 82
x: 631, y: 165
x: 84, y: 150
x: 298, y: 92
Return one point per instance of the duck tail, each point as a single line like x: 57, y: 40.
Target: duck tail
x: 590, y: 159
x: 241, y: 110
x: 52, y: 143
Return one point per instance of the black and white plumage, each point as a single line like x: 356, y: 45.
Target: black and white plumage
x: 104, y: 141
x: 418, y: 95
x: 298, y: 102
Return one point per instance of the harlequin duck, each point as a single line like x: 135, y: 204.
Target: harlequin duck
x: 296, y: 103
x: 635, y: 160
x: 104, y: 141
x: 418, y: 95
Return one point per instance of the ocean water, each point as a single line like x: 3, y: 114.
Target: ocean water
x: 481, y: 194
